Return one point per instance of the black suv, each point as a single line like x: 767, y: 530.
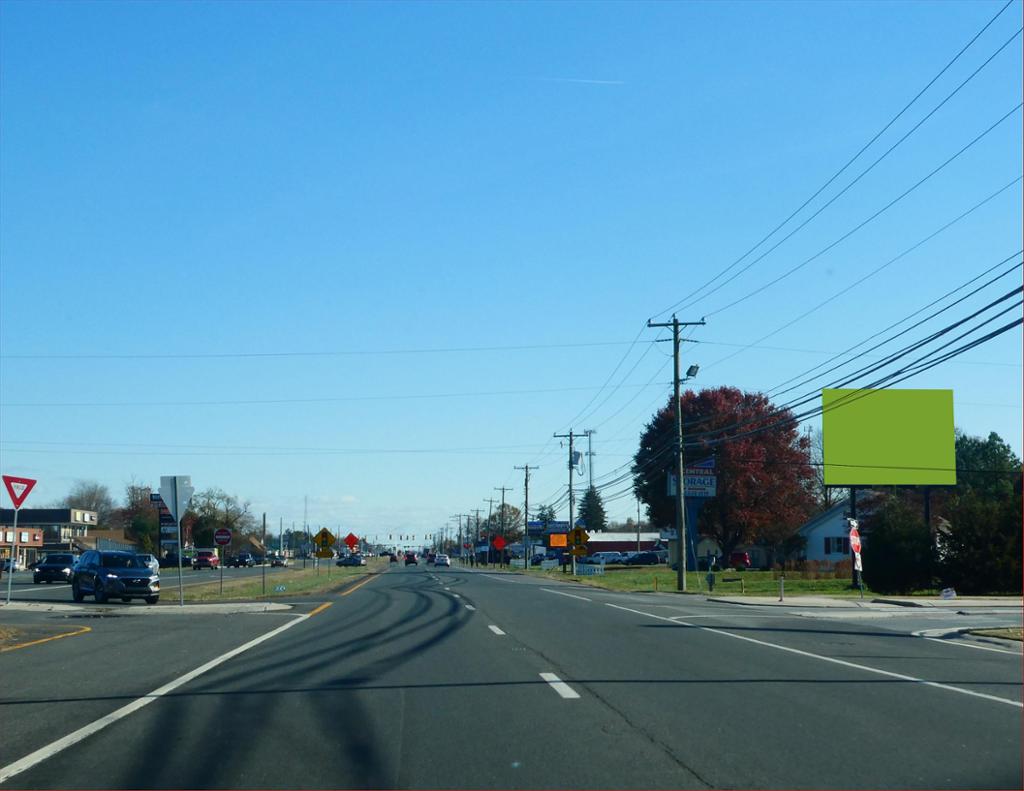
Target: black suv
x: 54, y: 568
x: 241, y: 560
x: 410, y: 559
x: 120, y: 575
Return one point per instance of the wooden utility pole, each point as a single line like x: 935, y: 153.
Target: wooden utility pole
x: 675, y: 324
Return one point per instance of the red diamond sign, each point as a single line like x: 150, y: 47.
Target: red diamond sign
x: 351, y: 541
x: 18, y: 488
x: 499, y: 543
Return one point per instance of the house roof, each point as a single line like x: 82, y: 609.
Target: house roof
x: 825, y: 516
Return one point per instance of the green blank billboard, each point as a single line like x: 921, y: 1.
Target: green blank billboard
x: 888, y: 437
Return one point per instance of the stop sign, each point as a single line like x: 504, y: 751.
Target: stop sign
x: 222, y: 536
x: 499, y: 543
x: 855, y: 539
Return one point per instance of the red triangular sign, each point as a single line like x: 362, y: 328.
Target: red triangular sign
x: 18, y: 488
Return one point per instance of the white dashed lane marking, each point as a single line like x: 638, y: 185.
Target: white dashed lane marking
x: 560, y: 686
x: 495, y: 629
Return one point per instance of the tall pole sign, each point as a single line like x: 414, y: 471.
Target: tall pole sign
x: 18, y: 489
x: 176, y: 491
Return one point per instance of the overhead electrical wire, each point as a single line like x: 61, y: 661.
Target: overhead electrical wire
x: 849, y: 162
x: 792, y: 270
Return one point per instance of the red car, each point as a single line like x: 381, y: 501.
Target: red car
x: 206, y: 559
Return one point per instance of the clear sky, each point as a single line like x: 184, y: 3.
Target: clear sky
x: 376, y: 254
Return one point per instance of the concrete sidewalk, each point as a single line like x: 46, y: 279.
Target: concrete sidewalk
x: 887, y: 603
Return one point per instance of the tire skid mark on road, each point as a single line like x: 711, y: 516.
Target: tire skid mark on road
x: 823, y: 658
x: 51, y: 749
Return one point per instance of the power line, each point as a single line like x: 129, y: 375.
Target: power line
x: 854, y: 158
x: 865, y: 222
x: 335, y: 353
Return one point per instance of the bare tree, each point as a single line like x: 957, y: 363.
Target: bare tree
x: 91, y: 496
x: 825, y: 496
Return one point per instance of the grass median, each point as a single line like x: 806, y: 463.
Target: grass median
x: 293, y: 581
x: 727, y: 583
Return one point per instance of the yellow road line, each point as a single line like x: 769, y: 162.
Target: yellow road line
x: 321, y: 608
x: 82, y: 630
x: 357, y: 586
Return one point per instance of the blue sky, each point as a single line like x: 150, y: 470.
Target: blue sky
x: 450, y: 223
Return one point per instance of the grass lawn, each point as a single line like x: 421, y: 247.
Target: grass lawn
x: 729, y: 583
x: 294, y: 580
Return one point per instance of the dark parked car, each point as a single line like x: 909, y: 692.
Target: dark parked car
x: 643, y: 559
x: 352, y: 560
x: 54, y: 568
x: 241, y: 560
x: 114, y: 574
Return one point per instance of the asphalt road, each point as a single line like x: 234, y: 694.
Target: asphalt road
x: 449, y: 678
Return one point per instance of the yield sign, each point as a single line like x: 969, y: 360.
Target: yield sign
x: 18, y: 488
x: 351, y: 541
x: 499, y: 543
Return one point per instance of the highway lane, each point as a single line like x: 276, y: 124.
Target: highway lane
x: 450, y: 679
x: 796, y: 690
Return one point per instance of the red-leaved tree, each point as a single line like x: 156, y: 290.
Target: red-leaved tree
x: 761, y: 460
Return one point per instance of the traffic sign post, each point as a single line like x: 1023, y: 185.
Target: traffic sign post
x: 221, y: 537
x: 18, y: 489
x: 176, y: 491
x: 351, y: 541
x: 578, y: 537
x: 858, y: 566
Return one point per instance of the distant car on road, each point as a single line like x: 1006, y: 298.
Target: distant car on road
x: 114, y: 574
x: 150, y: 561
x: 352, y: 560
x: 279, y: 560
x: 442, y: 560
x: 16, y: 564
x: 392, y: 558
x: 206, y: 559
x: 54, y: 568
x: 241, y: 560
x: 410, y: 559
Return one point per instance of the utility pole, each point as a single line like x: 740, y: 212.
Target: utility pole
x: 501, y: 553
x: 490, y: 506
x: 476, y: 539
x: 527, y: 546
x: 305, y: 528
x: 590, y: 454
x: 675, y: 324
x: 572, y: 496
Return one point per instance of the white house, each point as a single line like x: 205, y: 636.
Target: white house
x: 827, y: 535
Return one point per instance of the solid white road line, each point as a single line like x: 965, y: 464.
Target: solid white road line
x: 470, y: 607
x: 829, y: 659
x: 972, y: 645
x: 560, y: 686
x: 40, y: 755
x: 500, y: 579
x: 941, y: 635
x: 570, y: 595
x: 495, y: 629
